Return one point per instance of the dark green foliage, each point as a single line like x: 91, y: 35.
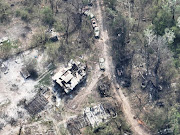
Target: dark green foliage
x: 59, y: 27
x: 161, y: 19
x: 47, y: 16
x: 24, y: 14
x: 86, y: 2
x: 29, y: 10
x: 31, y: 3
x: 175, y: 47
x: 156, y: 120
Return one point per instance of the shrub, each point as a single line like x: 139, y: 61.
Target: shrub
x: 25, y: 16
x: 47, y: 16
x: 4, y: 12
x: 110, y: 3
x: 39, y: 38
x: 59, y: 27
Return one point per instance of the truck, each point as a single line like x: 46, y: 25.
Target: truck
x: 102, y: 64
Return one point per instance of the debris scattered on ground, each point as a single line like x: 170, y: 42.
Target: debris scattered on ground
x: 25, y: 73
x: 69, y: 77
x: 104, y: 87
x: 36, y: 105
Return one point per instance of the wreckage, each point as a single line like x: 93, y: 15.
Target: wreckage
x: 75, y: 124
x: 72, y: 75
x: 3, y: 68
x: 96, y: 115
x: 53, y: 35
x: 36, y: 105
x: 92, y: 116
x: 88, y: 13
x: 25, y: 73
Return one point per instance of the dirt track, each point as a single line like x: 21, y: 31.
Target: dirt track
x: 74, y: 105
x: 121, y: 98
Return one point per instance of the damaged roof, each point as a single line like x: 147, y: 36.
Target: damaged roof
x: 69, y: 77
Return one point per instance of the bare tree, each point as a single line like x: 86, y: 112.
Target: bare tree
x: 150, y: 36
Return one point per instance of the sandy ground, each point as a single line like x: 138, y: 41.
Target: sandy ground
x: 25, y: 87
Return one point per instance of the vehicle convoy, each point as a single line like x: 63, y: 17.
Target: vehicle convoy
x: 93, y: 22
x: 89, y: 14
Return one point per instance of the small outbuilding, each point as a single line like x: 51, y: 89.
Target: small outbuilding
x: 25, y: 73
x: 72, y: 75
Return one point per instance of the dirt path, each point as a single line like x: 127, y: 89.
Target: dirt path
x: 137, y: 129
x: 74, y: 104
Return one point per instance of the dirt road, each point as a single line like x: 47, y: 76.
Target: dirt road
x: 137, y: 129
x: 74, y: 104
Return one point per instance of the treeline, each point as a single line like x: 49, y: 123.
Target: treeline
x: 165, y: 16
x: 146, y: 36
x: 118, y: 27
x: 65, y: 17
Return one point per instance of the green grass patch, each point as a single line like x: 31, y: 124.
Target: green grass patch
x: 46, y: 80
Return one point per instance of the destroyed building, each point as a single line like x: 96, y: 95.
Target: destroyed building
x: 104, y: 87
x: 96, y: 115
x: 75, y: 124
x: 92, y: 116
x: 53, y: 36
x: 69, y: 77
x: 152, y: 89
x: 110, y: 109
x: 36, y: 105
x: 25, y: 73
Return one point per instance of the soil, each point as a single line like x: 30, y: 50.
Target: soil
x: 15, y: 88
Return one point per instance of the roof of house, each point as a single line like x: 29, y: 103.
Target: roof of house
x: 70, y: 76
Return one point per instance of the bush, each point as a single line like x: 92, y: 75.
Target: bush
x: 4, y: 12
x: 18, y: 13
x: 177, y: 63
x: 25, y: 16
x: 59, y: 27
x: 161, y: 19
x: 47, y: 17
x: 39, y: 38
x: 31, y: 2
x: 110, y: 3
